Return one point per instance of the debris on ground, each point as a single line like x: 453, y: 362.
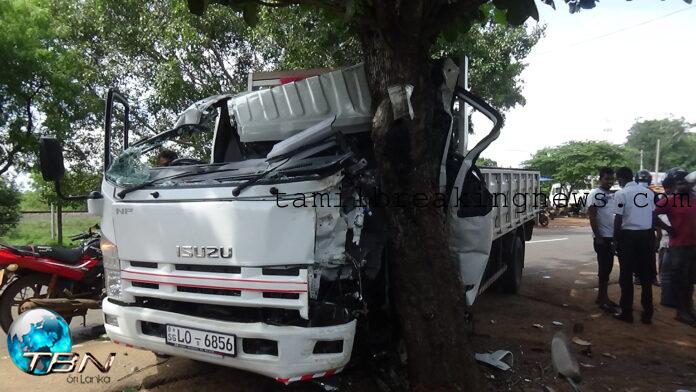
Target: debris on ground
x: 501, y: 359
x: 539, y: 326
x: 581, y: 342
x: 557, y: 323
x: 609, y: 355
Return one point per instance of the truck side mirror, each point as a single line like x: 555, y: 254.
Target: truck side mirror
x: 52, y: 167
x: 51, y: 159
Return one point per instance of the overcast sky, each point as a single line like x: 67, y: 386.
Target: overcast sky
x: 598, y: 71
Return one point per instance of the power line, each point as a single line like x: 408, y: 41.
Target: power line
x: 621, y: 30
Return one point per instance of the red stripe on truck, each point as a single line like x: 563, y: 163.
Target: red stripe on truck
x: 215, y: 287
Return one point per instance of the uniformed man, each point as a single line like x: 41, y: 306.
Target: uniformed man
x: 680, y: 208
x: 634, y: 237
x: 601, y: 212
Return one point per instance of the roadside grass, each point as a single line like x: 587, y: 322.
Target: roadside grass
x: 38, y: 231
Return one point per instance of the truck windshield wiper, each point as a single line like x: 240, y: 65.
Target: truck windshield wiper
x: 146, y: 184
x: 255, y: 179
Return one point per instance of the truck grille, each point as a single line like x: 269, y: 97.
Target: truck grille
x: 245, y: 287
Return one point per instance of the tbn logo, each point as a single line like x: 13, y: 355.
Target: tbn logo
x: 66, y: 362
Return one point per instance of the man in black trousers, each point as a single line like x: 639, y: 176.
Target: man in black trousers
x: 634, y: 235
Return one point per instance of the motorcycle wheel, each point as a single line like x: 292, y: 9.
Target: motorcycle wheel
x: 543, y: 220
x: 17, y: 292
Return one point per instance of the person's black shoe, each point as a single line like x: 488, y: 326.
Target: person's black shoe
x: 686, y: 318
x: 609, y: 307
x: 624, y: 317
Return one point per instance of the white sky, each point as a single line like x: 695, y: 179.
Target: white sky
x: 579, y: 86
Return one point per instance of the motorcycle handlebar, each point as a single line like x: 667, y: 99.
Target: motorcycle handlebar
x: 93, y: 231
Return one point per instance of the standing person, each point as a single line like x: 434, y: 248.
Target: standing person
x: 634, y: 237
x: 680, y: 209
x: 667, y: 295
x: 601, y: 212
x: 644, y: 179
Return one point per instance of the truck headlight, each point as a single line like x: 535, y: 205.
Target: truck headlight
x: 112, y: 269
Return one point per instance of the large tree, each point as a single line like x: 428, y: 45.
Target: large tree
x: 396, y: 41
x: 677, y: 143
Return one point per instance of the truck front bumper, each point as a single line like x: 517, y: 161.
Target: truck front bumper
x: 295, y: 359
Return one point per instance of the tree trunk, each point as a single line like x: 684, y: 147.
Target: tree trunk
x: 59, y: 221
x: 425, y: 281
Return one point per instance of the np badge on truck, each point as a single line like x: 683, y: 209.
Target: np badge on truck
x: 203, y: 252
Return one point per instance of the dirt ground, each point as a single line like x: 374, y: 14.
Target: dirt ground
x: 622, y: 357
x: 559, y: 285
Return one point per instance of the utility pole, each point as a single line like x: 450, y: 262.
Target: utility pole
x: 657, y: 158
x: 641, y: 160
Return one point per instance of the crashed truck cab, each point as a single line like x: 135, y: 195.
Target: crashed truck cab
x: 259, y: 246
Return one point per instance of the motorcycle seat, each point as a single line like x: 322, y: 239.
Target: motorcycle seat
x: 63, y: 255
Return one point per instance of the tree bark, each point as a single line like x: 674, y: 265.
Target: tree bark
x: 425, y: 282
x: 59, y: 221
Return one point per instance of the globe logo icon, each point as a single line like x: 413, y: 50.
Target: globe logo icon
x: 37, y: 330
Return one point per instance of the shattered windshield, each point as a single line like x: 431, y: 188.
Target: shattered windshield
x: 204, y: 148
x: 186, y: 145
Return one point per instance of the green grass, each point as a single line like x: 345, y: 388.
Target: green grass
x: 37, y: 230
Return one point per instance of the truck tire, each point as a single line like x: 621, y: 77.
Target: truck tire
x: 511, y: 281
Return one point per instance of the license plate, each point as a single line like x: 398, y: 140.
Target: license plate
x: 200, y: 340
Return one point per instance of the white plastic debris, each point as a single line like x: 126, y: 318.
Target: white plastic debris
x: 500, y: 359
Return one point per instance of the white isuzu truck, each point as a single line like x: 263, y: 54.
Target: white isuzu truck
x: 251, y: 235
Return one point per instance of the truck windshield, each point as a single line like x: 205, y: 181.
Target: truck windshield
x: 184, y: 155
x: 185, y: 147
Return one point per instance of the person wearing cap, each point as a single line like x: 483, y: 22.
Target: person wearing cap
x: 680, y: 209
x: 634, y: 238
x: 601, y: 213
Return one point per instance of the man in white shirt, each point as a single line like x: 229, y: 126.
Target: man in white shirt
x: 634, y: 237
x: 601, y: 212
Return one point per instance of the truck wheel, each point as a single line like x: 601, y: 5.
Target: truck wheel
x: 512, y: 278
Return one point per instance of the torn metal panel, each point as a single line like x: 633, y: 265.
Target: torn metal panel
x: 400, y: 97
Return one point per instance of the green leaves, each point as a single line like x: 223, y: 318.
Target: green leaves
x: 574, y: 163
x: 677, y: 144
x: 457, y: 28
x: 517, y: 11
x: 9, y: 207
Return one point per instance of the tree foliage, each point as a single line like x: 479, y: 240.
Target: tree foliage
x: 9, y: 207
x: 575, y: 163
x: 309, y: 39
x: 677, y: 144
x: 41, y: 89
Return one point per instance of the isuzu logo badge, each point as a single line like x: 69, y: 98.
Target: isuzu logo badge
x: 203, y: 252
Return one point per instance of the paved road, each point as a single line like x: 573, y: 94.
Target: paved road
x: 557, y: 249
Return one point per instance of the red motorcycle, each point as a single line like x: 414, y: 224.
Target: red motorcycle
x: 68, y: 281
